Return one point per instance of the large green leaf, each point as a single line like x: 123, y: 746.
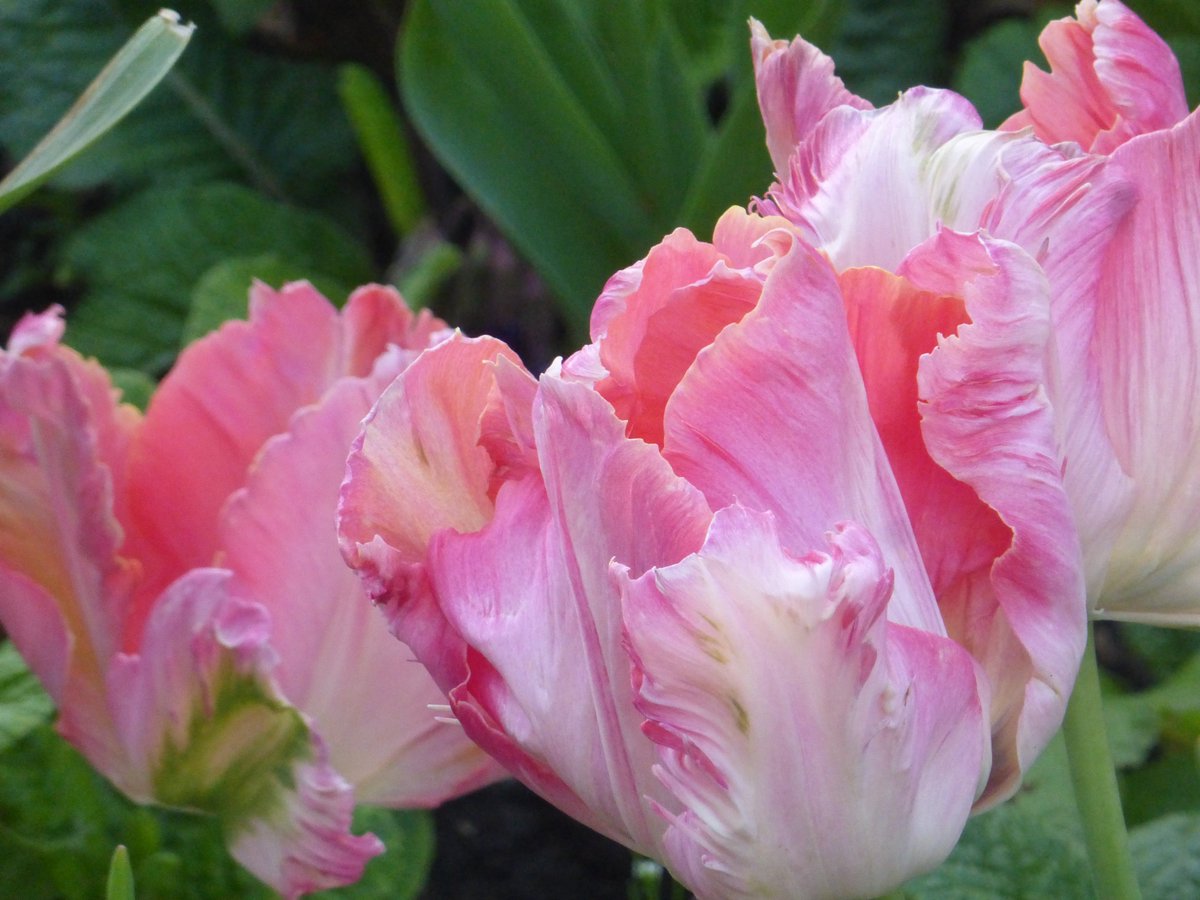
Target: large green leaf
x: 118, y: 88
x: 584, y: 128
x: 142, y: 261
x: 224, y: 112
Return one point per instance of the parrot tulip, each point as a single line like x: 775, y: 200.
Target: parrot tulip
x: 174, y: 580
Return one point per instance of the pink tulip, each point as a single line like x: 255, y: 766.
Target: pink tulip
x: 673, y: 586
x: 264, y: 690
x: 901, y: 190
x: 1111, y: 78
x: 1132, y: 354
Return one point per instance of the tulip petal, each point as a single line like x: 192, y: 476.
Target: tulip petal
x: 1064, y: 210
x: 866, y: 186
x: 65, y: 588
x: 986, y: 419
x: 367, y: 696
x: 818, y: 750
x: 796, y: 87
x: 530, y: 593
x: 773, y: 415
x: 1147, y: 339
x: 1111, y: 78
x: 205, y: 729
x: 456, y: 400
x: 228, y: 393
x: 653, y: 318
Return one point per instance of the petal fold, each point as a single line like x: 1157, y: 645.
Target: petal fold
x: 817, y: 749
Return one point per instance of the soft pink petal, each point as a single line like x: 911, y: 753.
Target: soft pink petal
x: 1147, y: 343
x: 796, y: 87
x: 817, y: 749
x: 62, y: 437
x: 364, y: 691
x: 987, y: 420
x: 1111, y: 78
x: 306, y: 845
x: 1064, y: 209
x: 227, y: 394
x: 422, y: 464
x: 206, y: 729
x: 662, y: 312
x: 549, y: 690
x: 773, y: 416
x: 866, y: 186
x: 376, y: 318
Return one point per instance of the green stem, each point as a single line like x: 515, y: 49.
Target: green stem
x: 1095, y: 780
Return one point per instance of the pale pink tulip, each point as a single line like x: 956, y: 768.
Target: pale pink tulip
x: 1132, y: 356
x: 672, y: 585
x: 266, y: 690
x: 899, y: 190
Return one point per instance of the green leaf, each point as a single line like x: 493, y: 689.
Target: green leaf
x: 120, y: 876
x: 384, y: 146
x: 402, y: 870
x: 24, y: 705
x: 221, y: 292
x: 120, y: 86
x: 212, y: 119
x: 1166, y: 853
x: 583, y: 128
x: 142, y: 260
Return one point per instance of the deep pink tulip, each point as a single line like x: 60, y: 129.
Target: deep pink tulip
x: 672, y: 585
x: 175, y: 581
x: 1132, y: 357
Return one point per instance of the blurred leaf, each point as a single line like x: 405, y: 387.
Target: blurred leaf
x: 584, y: 128
x: 142, y: 260
x: 135, y: 385
x: 1161, y: 650
x: 239, y: 16
x: 384, y: 146
x: 211, y: 119
x: 127, y: 78
x: 1133, y: 726
x: 419, y: 283
x: 222, y: 292
x: 888, y: 46
x: 992, y: 64
x: 24, y: 705
x: 1169, y: 783
x: 402, y: 870
x: 120, y: 876
x: 1166, y: 854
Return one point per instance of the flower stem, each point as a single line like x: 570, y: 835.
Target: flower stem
x: 1095, y: 780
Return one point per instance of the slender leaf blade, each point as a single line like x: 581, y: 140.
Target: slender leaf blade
x: 136, y: 69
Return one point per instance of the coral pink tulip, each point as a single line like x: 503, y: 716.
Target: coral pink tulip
x: 175, y: 582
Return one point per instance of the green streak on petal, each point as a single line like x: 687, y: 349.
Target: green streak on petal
x: 237, y: 756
